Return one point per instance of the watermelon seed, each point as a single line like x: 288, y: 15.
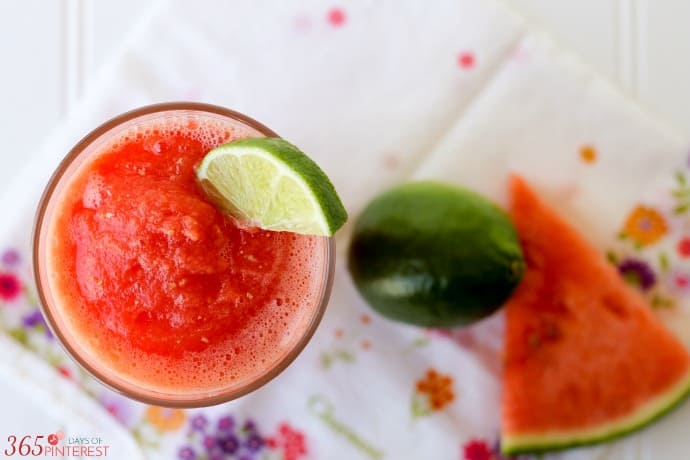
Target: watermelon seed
x: 552, y: 331
x: 614, y: 307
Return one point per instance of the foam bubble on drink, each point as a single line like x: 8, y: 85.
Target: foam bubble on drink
x: 94, y: 192
x: 209, y: 130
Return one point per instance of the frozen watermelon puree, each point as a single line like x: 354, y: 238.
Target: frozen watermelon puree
x: 160, y: 286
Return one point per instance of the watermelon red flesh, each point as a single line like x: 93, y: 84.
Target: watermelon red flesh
x: 585, y: 358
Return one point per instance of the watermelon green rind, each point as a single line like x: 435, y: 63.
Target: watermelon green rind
x: 644, y: 415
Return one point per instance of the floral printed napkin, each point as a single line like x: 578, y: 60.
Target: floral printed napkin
x: 381, y: 92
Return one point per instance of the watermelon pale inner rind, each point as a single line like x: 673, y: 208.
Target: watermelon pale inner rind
x: 558, y: 440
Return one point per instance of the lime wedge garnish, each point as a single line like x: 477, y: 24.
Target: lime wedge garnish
x: 270, y: 183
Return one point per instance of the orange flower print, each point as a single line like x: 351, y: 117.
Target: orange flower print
x: 588, y: 154
x: 165, y: 419
x: 645, y: 226
x: 433, y: 392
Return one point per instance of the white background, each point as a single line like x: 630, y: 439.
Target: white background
x: 51, y: 49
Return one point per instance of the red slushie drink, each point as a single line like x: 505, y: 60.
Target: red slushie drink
x: 153, y: 288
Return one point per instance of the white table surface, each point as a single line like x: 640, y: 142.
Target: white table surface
x: 49, y: 59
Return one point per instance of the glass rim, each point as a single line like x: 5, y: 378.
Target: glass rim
x: 111, y: 379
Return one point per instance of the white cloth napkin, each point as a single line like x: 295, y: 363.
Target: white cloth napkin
x: 378, y: 93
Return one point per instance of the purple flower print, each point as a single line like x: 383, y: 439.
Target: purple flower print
x: 229, y: 437
x: 226, y: 423
x: 229, y: 443
x: 34, y: 319
x: 10, y: 257
x: 210, y: 442
x: 198, y: 422
x: 637, y: 272
x: 186, y: 453
x: 249, y: 426
x: 254, y: 442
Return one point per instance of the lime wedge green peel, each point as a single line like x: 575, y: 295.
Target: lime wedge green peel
x: 270, y: 183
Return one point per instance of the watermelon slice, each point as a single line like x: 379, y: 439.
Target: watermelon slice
x: 585, y: 358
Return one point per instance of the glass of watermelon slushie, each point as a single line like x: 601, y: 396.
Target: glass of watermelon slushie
x: 150, y: 287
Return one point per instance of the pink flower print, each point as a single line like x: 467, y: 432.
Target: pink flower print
x: 10, y: 286
x: 290, y: 441
x: 336, y: 17
x: 65, y: 372
x: 476, y: 449
x: 466, y: 60
x: 119, y: 407
x: 681, y: 281
x: 683, y: 247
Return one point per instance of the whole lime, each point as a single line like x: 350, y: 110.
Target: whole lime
x: 434, y: 255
